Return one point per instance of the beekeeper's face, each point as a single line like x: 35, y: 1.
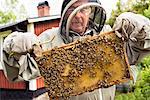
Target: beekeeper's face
x: 80, y: 21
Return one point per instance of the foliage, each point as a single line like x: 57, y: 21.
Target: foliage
x: 142, y: 87
x: 10, y: 13
x: 129, y: 96
x: 145, y: 63
x: 140, y: 7
x: 6, y: 17
x: 115, y: 13
x: 147, y: 12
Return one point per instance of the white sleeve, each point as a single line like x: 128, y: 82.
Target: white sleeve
x: 134, y: 72
x: 106, y: 28
x: 50, y: 39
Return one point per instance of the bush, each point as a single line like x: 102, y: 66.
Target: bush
x: 142, y: 88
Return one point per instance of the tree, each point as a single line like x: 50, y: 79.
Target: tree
x: 10, y: 13
x: 115, y: 13
x: 6, y: 17
x: 142, y: 87
x: 137, y: 6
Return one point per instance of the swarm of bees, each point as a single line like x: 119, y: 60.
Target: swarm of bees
x: 84, y: 65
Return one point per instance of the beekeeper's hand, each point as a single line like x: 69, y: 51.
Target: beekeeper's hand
x: 125, y: 30
x: 22, y: 43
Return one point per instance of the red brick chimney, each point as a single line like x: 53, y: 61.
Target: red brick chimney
x: 43, y: 9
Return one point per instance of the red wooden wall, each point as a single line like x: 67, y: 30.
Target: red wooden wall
x: 42, y: 26
x: 4, y: 83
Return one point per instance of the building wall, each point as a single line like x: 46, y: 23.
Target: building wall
x: 4, y: 83
x: 42, y: 26
x: 30, y: 28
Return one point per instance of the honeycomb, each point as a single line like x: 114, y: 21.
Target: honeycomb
x: 84, y: 65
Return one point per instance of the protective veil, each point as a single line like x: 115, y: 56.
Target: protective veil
x: 96, y: 19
